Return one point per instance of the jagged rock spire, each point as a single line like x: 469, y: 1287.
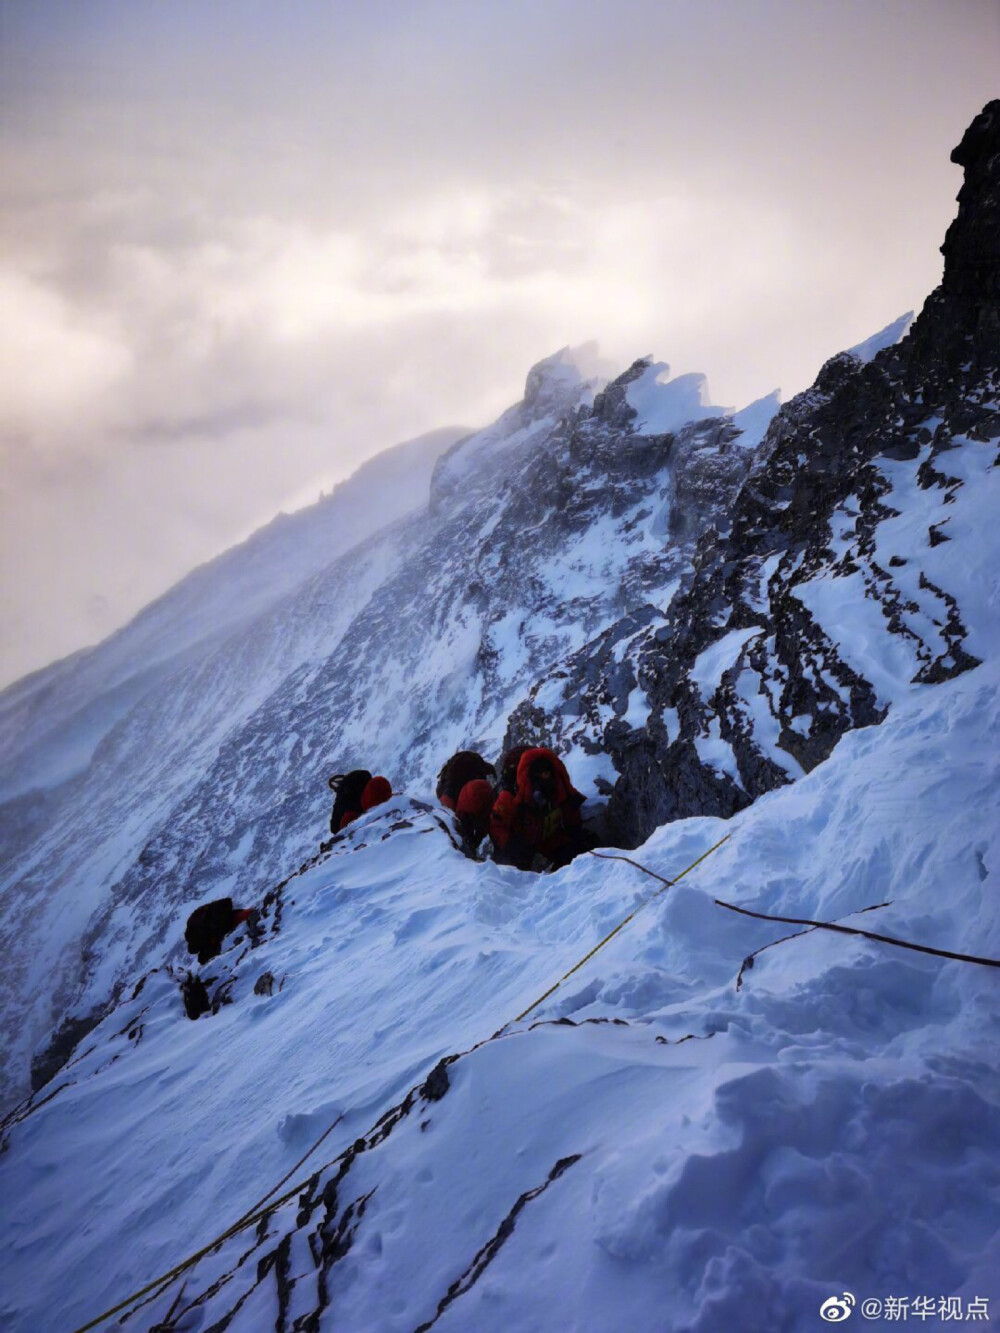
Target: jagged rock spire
x: 960, y: 322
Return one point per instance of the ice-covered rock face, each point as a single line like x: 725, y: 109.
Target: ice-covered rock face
x: 854, y: 563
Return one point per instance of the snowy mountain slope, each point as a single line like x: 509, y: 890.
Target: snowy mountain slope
x: 52, y: 721
x: 154, y: 722
x: 829, y: 1126
x: 448, y: 614
x: 559, y: 548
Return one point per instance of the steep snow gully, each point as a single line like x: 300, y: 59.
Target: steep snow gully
x: 778, y: 625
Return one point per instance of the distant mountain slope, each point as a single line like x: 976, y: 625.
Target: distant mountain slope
x: 52, y: 721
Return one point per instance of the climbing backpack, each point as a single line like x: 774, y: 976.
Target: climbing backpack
x: 207, y: 927
x: 465, y: 766
x: 348, y: 788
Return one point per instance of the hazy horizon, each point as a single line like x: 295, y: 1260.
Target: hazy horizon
x: 242, y: 253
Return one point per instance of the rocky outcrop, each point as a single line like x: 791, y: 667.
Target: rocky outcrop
x: 807, y: 516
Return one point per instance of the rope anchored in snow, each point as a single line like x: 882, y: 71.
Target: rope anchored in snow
x: 253, y: 1215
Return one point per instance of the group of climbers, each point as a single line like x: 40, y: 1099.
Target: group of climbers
x: 530, y: 811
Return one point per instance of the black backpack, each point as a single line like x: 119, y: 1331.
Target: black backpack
x: 465, y: 766
x: 348, y: 787
x: 509, y: 766
x: 207, y: 927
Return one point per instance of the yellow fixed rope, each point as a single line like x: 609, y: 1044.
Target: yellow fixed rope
x: 667, y: 883
x: 263, y: 1207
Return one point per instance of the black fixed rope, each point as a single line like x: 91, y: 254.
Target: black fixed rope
x: 866, y: 934
x: 751, y: 958
x: 821, y: 925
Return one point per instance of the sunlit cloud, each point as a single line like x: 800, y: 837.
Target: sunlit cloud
x: 58, y: 360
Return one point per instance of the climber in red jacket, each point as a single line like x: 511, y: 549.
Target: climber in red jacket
x: 473, y: 810
x: 466, y: 785
x: 541, y: 816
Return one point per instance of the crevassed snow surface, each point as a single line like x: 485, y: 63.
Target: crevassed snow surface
x: 743, y: 1155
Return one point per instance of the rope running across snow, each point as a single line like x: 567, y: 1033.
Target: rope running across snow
x: 268, y: 1203
x: 799, y: 921
x: 667, y: 884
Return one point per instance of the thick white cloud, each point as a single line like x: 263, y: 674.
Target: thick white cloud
x: 58, y: 360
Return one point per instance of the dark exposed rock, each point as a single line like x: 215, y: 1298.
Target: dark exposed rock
x: 61, y: 1045
x: 489, y: 1251
x: 815, y: 472
x: 437, y: 1082
x: 194, y: 993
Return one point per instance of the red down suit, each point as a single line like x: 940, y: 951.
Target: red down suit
x: 533, y: 820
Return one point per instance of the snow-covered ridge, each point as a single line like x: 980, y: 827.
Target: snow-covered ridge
x: 737, y: 1154
x: 554, y: 388
x: 887, y: 337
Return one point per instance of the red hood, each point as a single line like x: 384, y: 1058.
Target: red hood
x: 564, y: 788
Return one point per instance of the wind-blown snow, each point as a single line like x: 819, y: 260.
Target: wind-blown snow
x: 662, y: 405
x: 52, y: 722
x: 887, y: 337
x: 555, y: 386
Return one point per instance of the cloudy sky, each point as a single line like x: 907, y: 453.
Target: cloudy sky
x: 245, y: 245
